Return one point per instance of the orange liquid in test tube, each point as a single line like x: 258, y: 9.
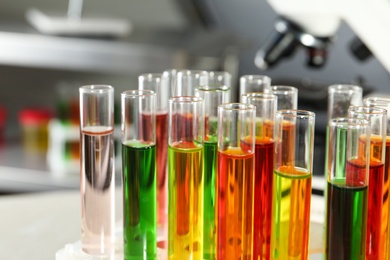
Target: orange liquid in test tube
x: 375, y: 198
x: 234, y: 204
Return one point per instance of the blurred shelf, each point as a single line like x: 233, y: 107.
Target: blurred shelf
x: 21, y: 180
x: 22, y: 171
x: 143, y: 50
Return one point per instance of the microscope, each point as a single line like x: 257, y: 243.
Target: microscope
x: 312, y: 24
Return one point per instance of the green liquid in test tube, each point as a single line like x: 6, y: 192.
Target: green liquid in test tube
x: 347, y: 190
x: 216, y: 92
x: 139, y: 174
x: 139, y: 184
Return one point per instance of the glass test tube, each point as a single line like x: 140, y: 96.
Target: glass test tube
x: 97, y: 178
x: 220, y: 78
x: 236, y: 147
x: 169, y: 77
x: 254, y: 83
x: 376, y: 118
x: 159, y: 83
x: 213, y: 96
x: 139, y: 174
x: 347, y: 182
x: 186, y: 81
x: 264, y: 165
x: 340, y: 98
x: 287, y: 96
x: 385, y: 241
x: 185, y: 178
x: 292, y: 184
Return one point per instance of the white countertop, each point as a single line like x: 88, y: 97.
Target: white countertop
x: 35, y: 226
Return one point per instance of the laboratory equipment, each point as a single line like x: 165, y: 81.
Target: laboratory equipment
x: 185, y: 178
x: 346, y: 210
x: 266, y: 105
x: 313, y: 24
x: 236, y: 148
x: 186, y: 81
x: 376, y: 118
x: 158, y: 83
x: 254, y: 83
x: 287, y: 96
x: 292, y: 184
x: 384, y: 102
x: 139, y: 174
x: 214, y: 94
x: 97, y: 176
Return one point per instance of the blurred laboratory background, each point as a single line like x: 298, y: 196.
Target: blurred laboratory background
x: 45, y: 57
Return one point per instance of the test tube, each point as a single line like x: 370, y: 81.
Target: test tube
x: 185, y: 178
x: 236, y: 147
x: 254, y: 83
x: 347, y: 182
x: 139, y: 174
x: 287, y: 96
x: 187, y: 81
x: 341, y: 97
x: 213, y: 96
x: 376, y: 118
x: 292, y: 184
x: 384, y: 102
x: 264, y: 165
x: 159, y: 84
x: 169, y: 77
x: 220, y: 78
x: 97, y: 178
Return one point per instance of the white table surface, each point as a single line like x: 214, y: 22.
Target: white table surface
x: 35, y: 226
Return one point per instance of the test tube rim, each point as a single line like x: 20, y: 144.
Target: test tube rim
x: 256, y: 77
x: 213, y: 88
x: 96, y: 88
x: 283, y: 89
x: 237, y: 107
x: 259, y: 95
x: 374, y: 110
x: 151, y: 75
x: 297, y: 113
x: 344, y: 88
x: 346, y: 122
x: 142, y: 93
x: 181, y: 73
x: 220, y: 73
x: 377, y: 101
x: 185, y: 99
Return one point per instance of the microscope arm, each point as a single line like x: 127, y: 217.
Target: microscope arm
x: 369, y: 19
